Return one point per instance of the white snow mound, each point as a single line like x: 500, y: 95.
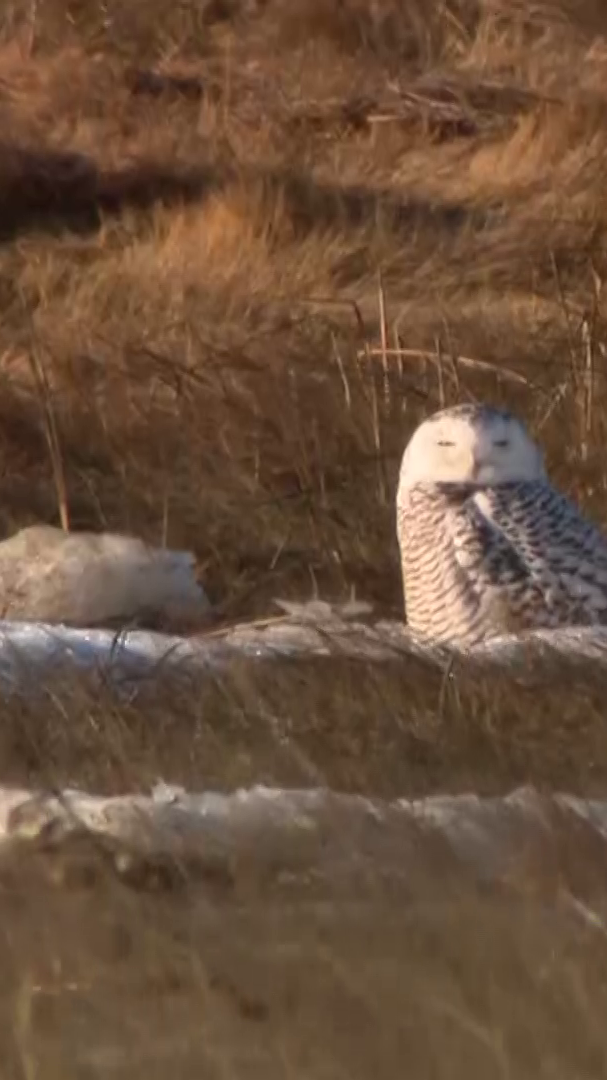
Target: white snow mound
x: 89, y: 579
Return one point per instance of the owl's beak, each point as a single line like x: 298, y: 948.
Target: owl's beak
x: 475, y: 466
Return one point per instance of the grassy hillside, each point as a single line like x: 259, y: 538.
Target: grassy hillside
x: 198, y: 202
x: 245, y: 245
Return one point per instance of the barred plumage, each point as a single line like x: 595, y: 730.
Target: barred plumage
x: 487, y: 544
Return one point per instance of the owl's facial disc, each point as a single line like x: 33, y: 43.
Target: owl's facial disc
x: 471, y: 444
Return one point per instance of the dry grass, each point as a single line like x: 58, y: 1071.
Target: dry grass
x: 204, y: 210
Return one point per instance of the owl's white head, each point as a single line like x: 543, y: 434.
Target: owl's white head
x: 474, y: 444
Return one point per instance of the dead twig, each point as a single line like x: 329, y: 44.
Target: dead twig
x: 439, y: 368
x: 463, y: 361
x: 383, y: 329
x: 332, y: 302
x: 51, y: 434
x: 588, y: 388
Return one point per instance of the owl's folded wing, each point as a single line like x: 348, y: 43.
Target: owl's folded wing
x: 482, y: 549
x: 537, y: 550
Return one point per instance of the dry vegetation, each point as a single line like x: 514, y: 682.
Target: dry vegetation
x: 245, y: 246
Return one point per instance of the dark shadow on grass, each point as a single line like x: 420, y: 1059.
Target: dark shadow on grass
x: 312, y: 205
x: 51, y: 191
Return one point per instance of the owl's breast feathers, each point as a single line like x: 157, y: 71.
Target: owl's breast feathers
x: 481, y: 561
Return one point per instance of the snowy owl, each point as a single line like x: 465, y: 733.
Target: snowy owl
x: 487, y: 545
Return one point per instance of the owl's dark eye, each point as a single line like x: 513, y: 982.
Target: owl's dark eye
x: 445, y: 442
x: 500, y: 442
